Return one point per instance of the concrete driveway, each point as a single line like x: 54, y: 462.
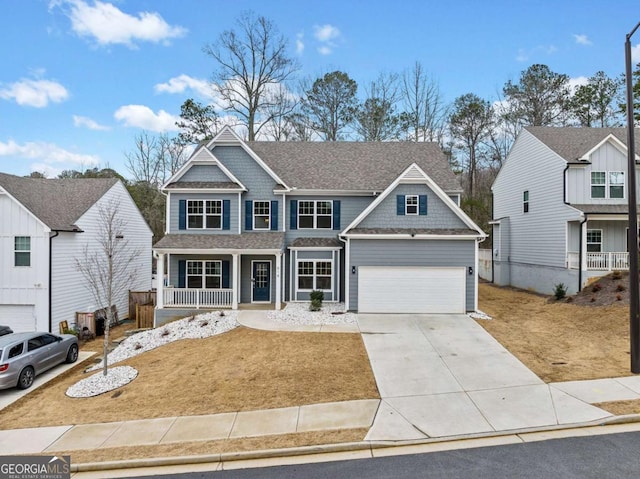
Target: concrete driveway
x: 444, y: 375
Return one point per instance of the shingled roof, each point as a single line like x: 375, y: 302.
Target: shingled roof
x: 571, y: 143
x: 57, y: 203
x: 344, y: 165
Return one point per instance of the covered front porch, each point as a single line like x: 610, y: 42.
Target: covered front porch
x: 212, y: 274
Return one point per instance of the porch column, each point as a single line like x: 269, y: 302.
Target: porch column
x: 583, y: 260
x: 278, y: 281
x: 235, y: 283
x: 160, y: 281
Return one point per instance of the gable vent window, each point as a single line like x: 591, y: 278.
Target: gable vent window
x: 525, y: 201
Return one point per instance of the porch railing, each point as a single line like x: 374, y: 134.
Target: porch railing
x: 608, y: 261
x: 197, y: 298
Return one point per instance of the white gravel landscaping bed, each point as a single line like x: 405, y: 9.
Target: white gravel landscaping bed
x: 298, y: 313
x: 99, y: 384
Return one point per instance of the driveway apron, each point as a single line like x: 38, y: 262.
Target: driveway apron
x: 444, y: 375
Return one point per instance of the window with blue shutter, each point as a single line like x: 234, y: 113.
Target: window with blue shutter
x: 182, y: 273
x: 226, y: 214
x: 248, y: 215
x: 336, y: 214
x: 182, y: 215
x: 422, y: 205
x: 293, y: 215
x: 225, y: 274
x: 274, y: 216
x: 400, y: 205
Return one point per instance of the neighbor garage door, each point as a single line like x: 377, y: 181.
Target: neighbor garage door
x: 18, y: 317
x: 407, y: 289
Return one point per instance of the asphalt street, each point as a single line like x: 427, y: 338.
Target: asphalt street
x: 614, y: 456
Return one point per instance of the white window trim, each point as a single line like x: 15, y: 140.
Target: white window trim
x: 607, y: 185
x: 268, y: 215
x: 314, y: 276
x: 204, y: 214
x: 601, y: 243
x: 21, y: 251
x: 315, y: 214
x: 406, y: 205
x: 204, y: 272
x: 525, y: 203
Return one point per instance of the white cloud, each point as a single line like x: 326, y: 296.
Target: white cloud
x: 106, y: 24
x: 299, y: 43
x: 582, y: 39
x: 182, y: 83
x: 574, y: 83
x: 523, y: 55
x: 327, y: 36
x: 635, y: 53
x: 36, y: 93
x: 48, y: 170
x: 141, y: 116
x: 48, y: 153
x: 83, y: 121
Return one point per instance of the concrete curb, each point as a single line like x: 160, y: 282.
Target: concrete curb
x: 336, y: 448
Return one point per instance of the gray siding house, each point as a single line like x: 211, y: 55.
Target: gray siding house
x: 560, y: 208
x: 374, y: 225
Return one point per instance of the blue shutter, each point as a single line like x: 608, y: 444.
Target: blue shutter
x: 422, y: 204
x: 226, y: 214
x: 273, y: 221
x: 225, y: 274
x: 182, y: 273
x: 336, y: 214
x: 182, y: 215
x: 293, y: 214
x: 400, y: 205
x: 248, y: 215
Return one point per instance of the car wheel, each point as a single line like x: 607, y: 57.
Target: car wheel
x: 25, y: 380
x: 72, y: 355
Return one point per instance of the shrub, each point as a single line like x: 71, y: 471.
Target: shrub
x: 316, y: 300
x: 619, y: 297
x: 560, y: 291
x: 621, y: 287
x: 596, y: 287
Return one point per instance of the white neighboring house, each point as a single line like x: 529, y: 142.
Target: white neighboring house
x: 44, y: 226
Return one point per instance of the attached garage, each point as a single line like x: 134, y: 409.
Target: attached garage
x: 19, y: 317
x: 411, y: 289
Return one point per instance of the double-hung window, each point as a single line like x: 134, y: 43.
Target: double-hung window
x: 525, y: 201
x: 594, y: 241
x: 22, y: 251
x: 204, y: 214
x: 411, y: 205
x: 204, y: 274
x: 261, y: 215
x: 607, y: 184
x: 315, y: 275
x: 315, y: 214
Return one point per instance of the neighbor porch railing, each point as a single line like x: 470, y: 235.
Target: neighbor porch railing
x: 197, y: 298
x: 608, y: 261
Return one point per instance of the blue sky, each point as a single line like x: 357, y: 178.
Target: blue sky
x: 80, y: 78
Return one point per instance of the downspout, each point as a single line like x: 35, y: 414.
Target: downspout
x: 50, y: 278
x: 580, y: 255
x: 564, y: 185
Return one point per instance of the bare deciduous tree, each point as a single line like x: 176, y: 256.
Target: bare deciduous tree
x: 376, y: 118
x: 249, y: 62
x: 107, y: 264
x: 142, y: 162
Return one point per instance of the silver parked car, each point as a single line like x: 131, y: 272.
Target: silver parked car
x: 25, y: 355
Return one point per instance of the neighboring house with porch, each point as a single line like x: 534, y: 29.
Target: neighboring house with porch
x: 46, y: 223
x: 374, y: 225
x: 560, y: 208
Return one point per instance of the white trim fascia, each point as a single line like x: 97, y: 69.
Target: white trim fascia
x: 323, y: 192
x: 44, y: 226
x: 167, y: 212
x: 619, y: 145
x: 207, y: 190
x: 248, y: 150
x: 475, y: 278
x: 608, y: 217
x: 432, y: 185
x: 216, y: 251
x: 284, y: 212
x: 347, y: 273
x: 414, y: 237
x: 312, y: 248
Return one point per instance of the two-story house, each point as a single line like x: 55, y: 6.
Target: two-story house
x: 45, y: 226
x: 374, y: 225
x: 561, y: 207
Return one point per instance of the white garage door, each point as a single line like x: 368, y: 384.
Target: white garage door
x: 408, y: 289
x: 18, y: 317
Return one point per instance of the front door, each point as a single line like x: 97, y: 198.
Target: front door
x: 261, y: 281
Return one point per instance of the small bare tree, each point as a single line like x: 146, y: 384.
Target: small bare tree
x: 107, y: 265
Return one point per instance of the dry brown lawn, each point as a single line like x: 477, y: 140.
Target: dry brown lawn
x: 558, y: 341
x: 244, y: 369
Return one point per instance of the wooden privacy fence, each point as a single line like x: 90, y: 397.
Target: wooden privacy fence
x: 140, y: 302
x: 144, y: 315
